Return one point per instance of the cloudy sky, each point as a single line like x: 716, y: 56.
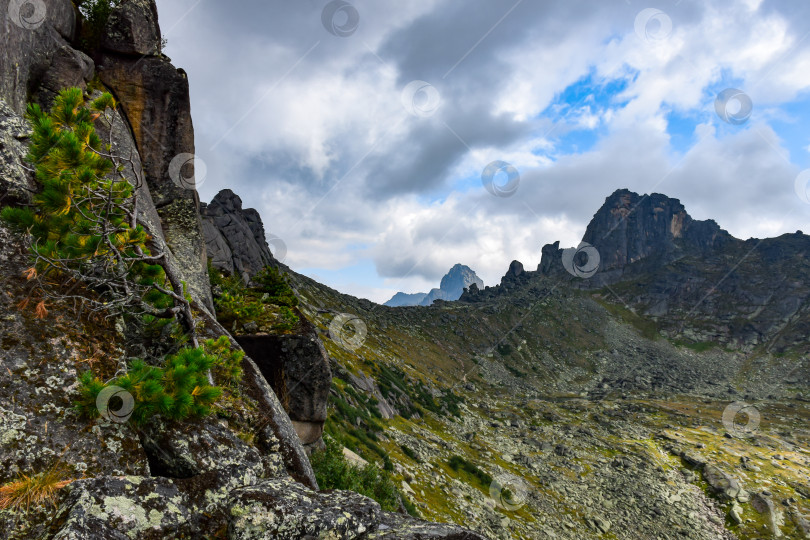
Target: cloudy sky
x: 361, y: 130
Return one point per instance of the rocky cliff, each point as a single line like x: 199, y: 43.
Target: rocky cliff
x: 630, y: 227
x: 241, y: 473
x: 451, y: 287
x: 659, y: 393
x: 234, y: 237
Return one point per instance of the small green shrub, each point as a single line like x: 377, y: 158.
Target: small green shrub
x: 227, y: 361
x: 95, y: 14
x: 277, y: 285
x: 268, y: 303
x: 458, y: 463
x: 80, y: 223
x: 408, y: 451
x: 333, y: 471
x: 514, y: 371
x: 177, y: 391
x: 504, y: 349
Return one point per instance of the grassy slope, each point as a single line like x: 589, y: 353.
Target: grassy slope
x: 514, y: 361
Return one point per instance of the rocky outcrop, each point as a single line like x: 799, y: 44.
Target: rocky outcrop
x: 452, y: 286
x: 369, y: 386
x: 37, y: 61
x: 630, y: 227
x: 234, y: 237
x: 133, y: 29
x: 185, y: 450
x: 154, y: 97
x: 297, y: 367
x: 163, y: 480
x: 32, y: 36
x: 68, y: 68
x: 550, y: 258
x: 16, y: 181
x: 514, y: 276
x: 232, y: 501
x: 40, y: 59
x: 694, y: 281
x: 293, y: 512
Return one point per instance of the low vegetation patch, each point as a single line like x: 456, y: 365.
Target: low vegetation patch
x: 458, y: 463
x: 333, y: 471
x: 408, y: 451
x: 178, y: 390
x: 266, y: 306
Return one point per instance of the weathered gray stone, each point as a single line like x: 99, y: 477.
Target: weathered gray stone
x: 69, y: 68
x: 16, y: 180
x: 191, y: 448
x: 369, y: 386
x: 401, y: 527
x: 235, y: 238
x: 133, y: 29
x: 163, y: 130
x: 297, y: 367
x: 722, y: 483
x: 29, y: 48
x: 39, y: 367
x: 125, y: 507
x: 764, y: 505
x: 283, y: 509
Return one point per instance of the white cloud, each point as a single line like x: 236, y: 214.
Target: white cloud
x: 340, y: 171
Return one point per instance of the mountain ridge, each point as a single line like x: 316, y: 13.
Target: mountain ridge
x: 691, y: 278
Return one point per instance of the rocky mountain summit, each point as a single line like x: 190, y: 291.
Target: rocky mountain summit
x: 690, y: 278
x: 451, y: 287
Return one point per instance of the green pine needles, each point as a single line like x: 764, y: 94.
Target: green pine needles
x: 276, y: 284
x: 268, y: 301
x: 178, y: 390
x: 89, y: 246
x: 227, y: 361
x: 87, y: 243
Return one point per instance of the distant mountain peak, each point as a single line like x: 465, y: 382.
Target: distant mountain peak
x: 450, y: 288
x: 630, y: 227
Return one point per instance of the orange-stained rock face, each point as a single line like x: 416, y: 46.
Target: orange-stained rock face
x: 676, y: 224
x: 154, y: 96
